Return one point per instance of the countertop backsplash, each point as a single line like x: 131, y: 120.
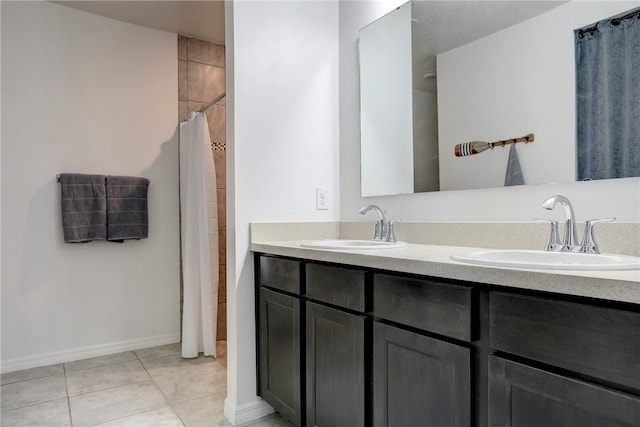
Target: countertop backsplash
x: 616, y: 238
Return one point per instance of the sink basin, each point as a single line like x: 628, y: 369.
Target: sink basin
x: 548, y: 260
x: 352, y: 244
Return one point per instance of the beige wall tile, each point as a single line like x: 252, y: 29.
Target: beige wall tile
x: 221, y: 333
x: 222, y: 214
x: 182, y: 48
x: 222, y: 245
x: 182, y: 80
x: 216, y: 119
x: 183, y: 111
x: 222, y: 286
x: 205, y: 82
x: 220, y: 160
x: 194, y: 106
x: 205, y: 52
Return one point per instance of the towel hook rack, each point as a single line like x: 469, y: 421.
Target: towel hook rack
x: 475, y: 147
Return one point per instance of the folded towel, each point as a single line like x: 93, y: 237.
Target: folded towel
x: 514, y: 173
x: 84, y: 207
x: 127, y: 215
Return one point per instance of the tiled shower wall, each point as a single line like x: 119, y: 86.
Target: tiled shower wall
x: 201, y: 78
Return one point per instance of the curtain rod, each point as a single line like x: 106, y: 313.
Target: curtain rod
x: 634, y: 13
x: 213, y: 102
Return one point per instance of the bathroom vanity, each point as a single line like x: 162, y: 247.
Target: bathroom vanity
x: 382, y: 338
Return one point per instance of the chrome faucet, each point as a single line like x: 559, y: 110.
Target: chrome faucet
x: 383, y: 230
x: 570, y: 236
x: 568, y: 244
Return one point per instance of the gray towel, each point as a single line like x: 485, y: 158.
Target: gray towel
x: 84, y: 207
x: 514, y: 173
x: 127, y: 215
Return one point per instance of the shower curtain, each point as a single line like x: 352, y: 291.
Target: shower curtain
x: 199, y: 235
x: 608, y: 98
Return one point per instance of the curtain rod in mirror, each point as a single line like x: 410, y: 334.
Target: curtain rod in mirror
x: 614, y: 21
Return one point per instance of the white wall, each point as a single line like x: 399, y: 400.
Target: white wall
x: 282, y: 142
x: 620, y: 198
x: 85, y: 94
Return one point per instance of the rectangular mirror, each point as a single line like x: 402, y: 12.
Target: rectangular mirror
x: 492, y: 70
x: 385, y: 105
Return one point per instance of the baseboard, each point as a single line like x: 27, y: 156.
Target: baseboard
x: 45, y: 359
x: 246, y: 413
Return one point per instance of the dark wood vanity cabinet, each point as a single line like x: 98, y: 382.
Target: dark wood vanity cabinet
x: 311, y: 341
x: 335, y: 346
x: 279, y: 336
x: 559, y: 363
x: 421, y: 380
x: 345, y: 346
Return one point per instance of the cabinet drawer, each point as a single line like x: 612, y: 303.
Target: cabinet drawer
x: 600, y: 342
x: 343, y: 287
x: 278, y: 273
x: 425, y: 304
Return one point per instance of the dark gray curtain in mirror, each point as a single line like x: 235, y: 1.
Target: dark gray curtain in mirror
x: 608, y: 98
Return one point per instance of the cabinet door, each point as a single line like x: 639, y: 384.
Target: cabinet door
x: 335, y: 367
x: 520, y: 395
x: 419, y: 381
x: 279, y: 353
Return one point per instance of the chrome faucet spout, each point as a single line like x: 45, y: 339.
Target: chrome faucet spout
x: 366, y: 209
x: 570, y: 235
x: 381, y: 229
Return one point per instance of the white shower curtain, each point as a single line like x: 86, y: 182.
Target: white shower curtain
x: 199, y: 227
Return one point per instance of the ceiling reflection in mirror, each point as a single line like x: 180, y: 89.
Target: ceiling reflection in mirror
x: 480, y: 71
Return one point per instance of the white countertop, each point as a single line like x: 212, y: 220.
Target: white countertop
x: 433, y: 260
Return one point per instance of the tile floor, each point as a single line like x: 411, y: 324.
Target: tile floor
x: 152, y: 387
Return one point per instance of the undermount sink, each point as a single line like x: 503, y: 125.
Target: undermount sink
x: 548, y: 260
x: 352, y: 244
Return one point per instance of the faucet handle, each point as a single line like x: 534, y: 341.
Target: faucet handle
x: 391, y: 235
x: 554, y: 241
x: 589, y: 245
x: 377, y: 231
